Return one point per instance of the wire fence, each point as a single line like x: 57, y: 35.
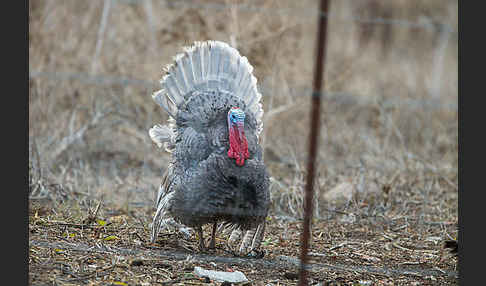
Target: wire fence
x: 344, y: 97
x: 303, y: 12
x: 446, y: 33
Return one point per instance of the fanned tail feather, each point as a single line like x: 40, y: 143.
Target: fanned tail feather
x: 205, y: 67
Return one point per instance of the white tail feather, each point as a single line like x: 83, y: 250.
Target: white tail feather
x: 209, y: 66
x: 173, y: 91
x: 163, y: 100
x: 161, y: 134
x: 163, y: 202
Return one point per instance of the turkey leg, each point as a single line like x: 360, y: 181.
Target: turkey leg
x: 212, y: 244
x: 201, y: 240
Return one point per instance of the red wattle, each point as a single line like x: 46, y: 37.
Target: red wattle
x: 238, y: 146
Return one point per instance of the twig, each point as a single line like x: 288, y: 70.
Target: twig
x: 440, y: 270
x: 101, y: 272
x: 439, y: 223
x: 410, y: 263
x: 98, y: 208
x: 90, y: 226
x: 400, y: 227
x: 92, y: 215
x: 38, y: 158
x: 150, y: 21
x: 338, y: 246
x: 438, y: 61
x: 101, y: 32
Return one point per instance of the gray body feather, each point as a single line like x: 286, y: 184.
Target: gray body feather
x: 202, y: 185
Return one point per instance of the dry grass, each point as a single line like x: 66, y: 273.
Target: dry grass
x: 389, y: 124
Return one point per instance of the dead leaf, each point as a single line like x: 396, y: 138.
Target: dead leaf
x: 111, y: 237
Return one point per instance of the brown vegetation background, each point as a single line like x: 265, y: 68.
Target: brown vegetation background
x: 388, y: 146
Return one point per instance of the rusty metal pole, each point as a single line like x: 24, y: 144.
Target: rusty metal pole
x: 314, y: 135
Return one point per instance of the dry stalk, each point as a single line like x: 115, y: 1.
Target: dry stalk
x: 101, y: 34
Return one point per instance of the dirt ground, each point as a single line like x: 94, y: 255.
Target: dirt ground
x: 388, y: 147
x: 115, y: 250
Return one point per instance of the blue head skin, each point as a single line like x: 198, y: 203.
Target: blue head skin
x: 236, y: 116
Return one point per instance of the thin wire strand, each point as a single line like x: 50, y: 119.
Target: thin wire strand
x: 342, y: 97
x: 306, y: 14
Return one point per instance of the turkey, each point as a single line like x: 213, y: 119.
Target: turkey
x: 216, y: 173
